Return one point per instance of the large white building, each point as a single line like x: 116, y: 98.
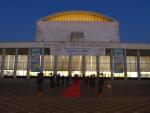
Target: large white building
x: 76, y: 42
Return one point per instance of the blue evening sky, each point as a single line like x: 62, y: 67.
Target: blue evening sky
x: 18, y: 17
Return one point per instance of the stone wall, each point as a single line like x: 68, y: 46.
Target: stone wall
x: 93, y: 31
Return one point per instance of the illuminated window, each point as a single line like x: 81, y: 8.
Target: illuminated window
x: 9, y: 62
x: 105, y: 65
x: 63, y: 65
x: 90, y: 65
x: 76, y: 65
x: 145, y: 66
x: 22, y: 62
x: 132, y: 66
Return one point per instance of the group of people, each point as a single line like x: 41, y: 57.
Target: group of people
x: 93, y: 81
x: 55, y: 80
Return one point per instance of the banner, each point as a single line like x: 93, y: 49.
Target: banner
x: 118, y: 61
x: 35, y: 60
x: 77, y: 51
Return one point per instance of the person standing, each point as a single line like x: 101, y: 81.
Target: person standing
x: 39, y: 83
x: 52, y: 80
x: 58, y: 79
x: 100, y: 84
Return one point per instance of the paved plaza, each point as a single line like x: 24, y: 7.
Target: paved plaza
x: 20, y: 96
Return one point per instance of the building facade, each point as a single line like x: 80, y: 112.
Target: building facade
x: 76, y: 42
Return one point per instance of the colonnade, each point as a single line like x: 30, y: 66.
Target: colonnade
x: 83, y: 69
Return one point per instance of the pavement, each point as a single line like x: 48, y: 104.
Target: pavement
x: 20, y: 96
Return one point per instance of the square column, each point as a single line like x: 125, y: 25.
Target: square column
x: 97, y: 66
x: 42, y: 60
x: 55, y: 64
x: 112, y: 64
x: 70, y: 66
x: 16, y: 63
x: 3, y: 63
x: 83, y: 65
x: 29, y: 63
x: 125, y: 64
x: 138, y: 64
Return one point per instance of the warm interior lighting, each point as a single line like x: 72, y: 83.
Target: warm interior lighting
x: 78, y: 16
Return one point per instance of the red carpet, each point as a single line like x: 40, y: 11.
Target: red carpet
x: 73, y: 90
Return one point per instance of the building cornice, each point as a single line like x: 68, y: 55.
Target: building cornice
x: 73, y: 45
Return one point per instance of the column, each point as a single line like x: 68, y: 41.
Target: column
x: 111, y: 64
x: 3, y: 63
x: 16, y: 63
x: 125, y: 64
x: 138, y: 64
x: 83, y: 65
x: 29, y: 63
x: 42, y: 60
x: 97, y: 66
x: 55, y: 64
x: 70, y: 66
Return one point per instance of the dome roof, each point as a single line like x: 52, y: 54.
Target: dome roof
x: 78, y: 16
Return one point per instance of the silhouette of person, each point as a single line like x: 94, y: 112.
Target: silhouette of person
x: 39, y: 83
x: 52, y: 80
x: 58, y: 79
x: 63, y: 79
x: 100, y: 84
x: 68, y: 79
